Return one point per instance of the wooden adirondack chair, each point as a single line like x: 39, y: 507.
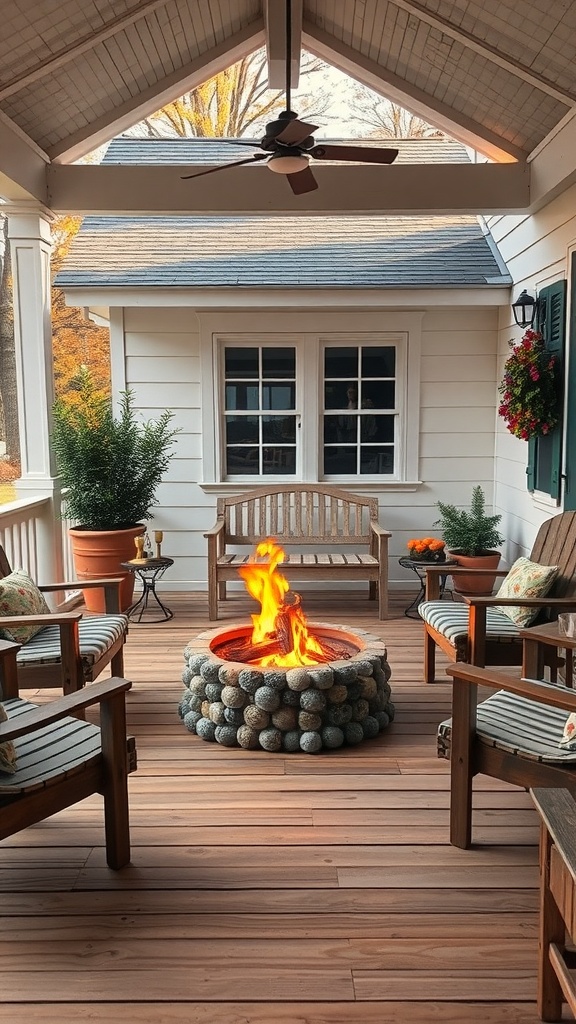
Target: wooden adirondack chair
x: 71, y: 649
x: 473, y: 631
x: 62, y: 759
x: 514, y: 735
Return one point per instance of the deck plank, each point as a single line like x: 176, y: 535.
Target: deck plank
x: 275, y: 889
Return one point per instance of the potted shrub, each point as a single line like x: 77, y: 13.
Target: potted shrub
x: 110, y: 467
x: 471, y: 537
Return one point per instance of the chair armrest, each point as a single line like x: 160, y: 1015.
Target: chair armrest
x: 111, y: 587
x: 40, y: 619
x: 526, y: 602
x: 70, y: 659
x: 437, y: 569
x: 546, y: 693
x: 96, y: 693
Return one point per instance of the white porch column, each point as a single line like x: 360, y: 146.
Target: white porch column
x: 30, y: 245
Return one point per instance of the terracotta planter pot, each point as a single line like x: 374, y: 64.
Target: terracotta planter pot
x: 98, y: 554
x: 481, y: 585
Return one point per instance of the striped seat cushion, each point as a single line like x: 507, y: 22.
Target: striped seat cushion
x: 518, y: 726
x: 451, y: 620
x: 97, y: 634
x: 46, y: 753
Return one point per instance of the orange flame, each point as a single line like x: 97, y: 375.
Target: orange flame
x: 281, y: 621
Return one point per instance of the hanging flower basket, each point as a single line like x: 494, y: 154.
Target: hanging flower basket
x: 530, y: 389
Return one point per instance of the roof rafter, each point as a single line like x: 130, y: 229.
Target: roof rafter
x: 485, y: 50
x: 364, y: 69
x: 88, y: 42
x: 152, y: 99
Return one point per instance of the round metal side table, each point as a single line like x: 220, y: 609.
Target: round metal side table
x: 148, y: 572
x: 420, y: 569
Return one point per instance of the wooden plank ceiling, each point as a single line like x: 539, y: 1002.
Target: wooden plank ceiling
x: 500, y: 70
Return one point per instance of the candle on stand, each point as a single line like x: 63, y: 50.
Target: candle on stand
x: 158, y: 537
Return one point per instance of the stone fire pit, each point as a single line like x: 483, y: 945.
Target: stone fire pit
x: 325, y: 706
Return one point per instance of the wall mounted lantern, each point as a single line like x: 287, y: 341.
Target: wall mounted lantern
x: 524, y: 309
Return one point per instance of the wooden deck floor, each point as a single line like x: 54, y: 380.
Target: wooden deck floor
x: 270, y: 889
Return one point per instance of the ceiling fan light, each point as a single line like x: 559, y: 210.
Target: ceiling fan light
x: 288, y: 163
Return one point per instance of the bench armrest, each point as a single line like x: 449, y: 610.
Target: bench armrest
x: 96, y: 693
x: 218, y: 528
x: 379, y: 530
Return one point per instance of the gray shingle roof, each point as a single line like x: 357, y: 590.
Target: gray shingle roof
x: 276, y: 251
x: 127, y: 150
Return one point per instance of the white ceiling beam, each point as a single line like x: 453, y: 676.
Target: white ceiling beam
x: 471, y: 42
x: 22, y: 165
x: 553, y: 164
x: 88, y: 42
x: 404, y: 189
x: 152, y: 99
x: 369, y: 72
x: 275, y: 26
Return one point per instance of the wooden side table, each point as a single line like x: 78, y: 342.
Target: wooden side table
x: 535, y: 639
x: 556, y: 983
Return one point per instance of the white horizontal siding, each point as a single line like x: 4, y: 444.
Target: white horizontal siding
x: 535, y: 249
x: 458, y: 365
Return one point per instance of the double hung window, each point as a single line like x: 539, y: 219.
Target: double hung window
x: 335, y: 408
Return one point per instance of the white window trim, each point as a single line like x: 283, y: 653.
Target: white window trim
x: 382, y: 327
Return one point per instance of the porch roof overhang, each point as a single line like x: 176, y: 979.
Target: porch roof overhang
x: 70, y: 83
x: 99, y: 301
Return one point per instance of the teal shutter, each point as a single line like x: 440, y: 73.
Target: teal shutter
x: 544, y: 471
x: 569, y: 503
x: 531, y: 467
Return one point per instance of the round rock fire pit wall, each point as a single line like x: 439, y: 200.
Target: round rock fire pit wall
x: 308, y: 709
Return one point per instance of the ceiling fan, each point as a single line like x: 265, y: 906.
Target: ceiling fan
x: 288, y: 142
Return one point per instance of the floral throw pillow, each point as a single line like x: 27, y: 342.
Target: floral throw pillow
x: 525, y: 579
x: 569, y: 735
x: 19, y: 595
x: 7, y: 749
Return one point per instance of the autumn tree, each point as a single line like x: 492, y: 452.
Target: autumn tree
x: 76, y: 341
x: 8, y: 390
x: 387, y: 120
x: 233, y: 103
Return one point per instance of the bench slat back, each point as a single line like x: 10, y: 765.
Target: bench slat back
x: 304, y: 514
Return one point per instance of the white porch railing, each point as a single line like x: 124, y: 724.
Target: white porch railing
x: 35, y: 540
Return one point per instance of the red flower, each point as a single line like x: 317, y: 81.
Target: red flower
x: 529, y: 389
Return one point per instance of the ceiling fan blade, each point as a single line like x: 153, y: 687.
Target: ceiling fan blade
x: 361, y: 154
x: 222, y: 167
x: 302, y: 181
x: 239, y: 142
x: 295, y: 132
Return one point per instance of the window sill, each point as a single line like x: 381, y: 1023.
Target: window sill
x: 238, y: 487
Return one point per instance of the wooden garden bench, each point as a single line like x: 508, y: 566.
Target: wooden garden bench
x: 301, y: 516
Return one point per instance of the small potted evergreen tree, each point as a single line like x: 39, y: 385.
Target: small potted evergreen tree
x: 471, y: 537
x: 110, y: 468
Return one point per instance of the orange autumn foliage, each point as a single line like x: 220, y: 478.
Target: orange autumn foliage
x: 78, y: 344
